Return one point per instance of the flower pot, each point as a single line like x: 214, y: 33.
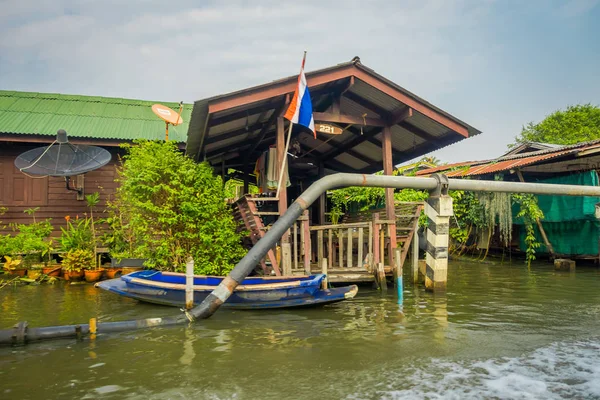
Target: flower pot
x: 34, y: 273
x: 18, y: 271
x: 52, y: 271
x: 93, y: 275
x: 74, y: 275
x: 112, y: 273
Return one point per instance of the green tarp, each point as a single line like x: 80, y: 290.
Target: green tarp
x: 569, y: 221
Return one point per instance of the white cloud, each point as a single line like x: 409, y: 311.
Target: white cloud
x: 150, y: 49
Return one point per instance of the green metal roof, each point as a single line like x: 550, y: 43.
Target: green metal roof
x: 86, y: 116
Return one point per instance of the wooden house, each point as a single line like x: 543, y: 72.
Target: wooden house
x: 29, y: 120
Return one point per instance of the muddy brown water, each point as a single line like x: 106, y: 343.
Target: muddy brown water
x: 500, y: 331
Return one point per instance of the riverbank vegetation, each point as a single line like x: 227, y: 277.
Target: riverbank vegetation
x: 167, y: 208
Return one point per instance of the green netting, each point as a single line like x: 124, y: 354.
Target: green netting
x: 569, y: 221
x: 567, y: 238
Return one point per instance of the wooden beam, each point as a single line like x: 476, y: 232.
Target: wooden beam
x: 400, y: 116
x: 353, y: 153
x: 270, y: 90
x: 347, y: 119
x: 404, y: 98
x: 350, y: 144
x: 390, y: 211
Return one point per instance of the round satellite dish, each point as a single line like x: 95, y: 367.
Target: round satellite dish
x: 167, y: 115
x: 62, y: 158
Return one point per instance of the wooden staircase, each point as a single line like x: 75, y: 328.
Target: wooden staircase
x: 246, y: 212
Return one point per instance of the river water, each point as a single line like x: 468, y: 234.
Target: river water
x: 499, y: 332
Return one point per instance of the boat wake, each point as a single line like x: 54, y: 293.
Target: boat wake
x: 559, y: 371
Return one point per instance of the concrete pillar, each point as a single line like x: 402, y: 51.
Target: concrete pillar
x: 438, y: 209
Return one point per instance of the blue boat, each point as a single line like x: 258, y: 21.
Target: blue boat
x: 168, y: 288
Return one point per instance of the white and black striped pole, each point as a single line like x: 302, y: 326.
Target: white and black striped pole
x: 438, y: 209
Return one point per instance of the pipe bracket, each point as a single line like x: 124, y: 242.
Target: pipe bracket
x: 19, y: 336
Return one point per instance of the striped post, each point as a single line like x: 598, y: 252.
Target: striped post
x: 438, y: 210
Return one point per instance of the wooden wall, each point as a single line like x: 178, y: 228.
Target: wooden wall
x: 19, y: 192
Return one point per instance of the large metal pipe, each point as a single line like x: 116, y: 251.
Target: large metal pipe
x: 212, y: 302
x: 22, y: 334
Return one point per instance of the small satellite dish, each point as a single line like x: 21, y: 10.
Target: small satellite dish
x: 168, y: 115
x: 62, y: 159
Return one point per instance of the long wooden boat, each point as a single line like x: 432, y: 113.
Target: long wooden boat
x: 253, y: 293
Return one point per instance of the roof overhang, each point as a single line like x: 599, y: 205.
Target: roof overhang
x: 236, y: 127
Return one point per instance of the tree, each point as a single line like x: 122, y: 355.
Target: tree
x: 579, y: 123
x: 177, y: 208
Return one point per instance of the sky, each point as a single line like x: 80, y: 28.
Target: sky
x: 495, y: 64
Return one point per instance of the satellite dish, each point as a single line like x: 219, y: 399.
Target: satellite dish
x: 62, y: 159
x: 168, y: 115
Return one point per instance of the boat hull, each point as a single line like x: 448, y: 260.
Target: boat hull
x: 246, y: 301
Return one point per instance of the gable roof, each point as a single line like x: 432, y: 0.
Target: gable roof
x: 237, y: 126
x: 93, y: 117
x: 527, y: 147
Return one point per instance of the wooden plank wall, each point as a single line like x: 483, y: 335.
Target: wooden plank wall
x: 19, y: 192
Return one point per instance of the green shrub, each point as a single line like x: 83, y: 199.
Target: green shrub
x: 177, y: 209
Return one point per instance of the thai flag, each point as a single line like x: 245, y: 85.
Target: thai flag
x: 300, y: 110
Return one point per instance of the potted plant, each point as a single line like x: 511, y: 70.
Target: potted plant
x: 125, y: 244
x: 13, y: 266
x: 27, y: 247
x: 76, y: 261
x: 78, y: 240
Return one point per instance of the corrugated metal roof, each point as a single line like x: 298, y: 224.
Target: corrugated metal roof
x: 506, y: 165
x: 94, y: 117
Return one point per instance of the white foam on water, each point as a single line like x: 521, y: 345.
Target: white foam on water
x: 107, y: 389
x: 565, y: 370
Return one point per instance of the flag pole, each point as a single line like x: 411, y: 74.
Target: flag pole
x: 287, y: 143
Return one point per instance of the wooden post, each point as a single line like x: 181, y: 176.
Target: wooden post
x: 295, y: 240
x: 330, y: 247
x: 325, y: 282
x: 349, y: 251
x: 280, y: 144
x: 381, y: 278
x: 375, y: 244
x: 341, y: 247
x: 306, y: 242
x: 415, y: 257
x: 360, y: 262
x: 371, y: 256
x: 286, y: 258
x: 539, y: 224
x: 189, y: 284
x: 388, y: 167
x: 320, y: 245
x: 322, y: 198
